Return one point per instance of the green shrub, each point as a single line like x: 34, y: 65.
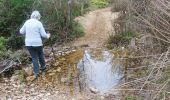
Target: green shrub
x: 99, y: 3
x: 122, y: 39
x: 15, y: 42
x: 77, y: 31
x: 56, y: 20
x: 3, y: 43
x: 12, y: 14
x: 130, y: 98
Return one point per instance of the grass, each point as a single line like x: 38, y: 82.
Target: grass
x: 99, y: 3
x: 118, y: 40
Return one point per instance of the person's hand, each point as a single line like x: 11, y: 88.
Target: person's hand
x: 48, y: 35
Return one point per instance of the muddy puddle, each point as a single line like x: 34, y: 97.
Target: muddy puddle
x: 100, y: 74
x: 84, y: 70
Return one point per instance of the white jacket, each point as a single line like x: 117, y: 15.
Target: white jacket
x: 34, y: 31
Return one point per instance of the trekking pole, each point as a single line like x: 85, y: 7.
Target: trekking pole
x: 52, y: 49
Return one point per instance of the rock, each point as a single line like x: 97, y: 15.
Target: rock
x: 73, y: 50
x: 59, y: 69
x: 49, y: 71
x: 48, y: 94
x: 102, y: 97
x: 28, y: 71
x: 68, y: 52
x: 52, y: 74
x: 32, y: 90
x: 56, y: 92
x: 52, y: 54
x: 93, y: 90
x: 73, y: 99
x: 62, y: 59
x: 41, y: 95
x: 64, y: 80
x: 32, y: 85
x: 30, y: 78
x: 15, y: 85
x: 54, y: 71
x: 14, y: 78
x: 56, y: 63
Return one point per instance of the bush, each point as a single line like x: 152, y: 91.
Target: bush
x: 122, y: 39
x: 12, y: 14
x: 77, y: 31
x: 57, y: 20
x: 99, y: 3
x: 130, y: 98
x: 3, y: 43
x: 15, y: 42
x: 119, y: 5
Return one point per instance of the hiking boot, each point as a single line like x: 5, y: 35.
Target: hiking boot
x: 44, y: 69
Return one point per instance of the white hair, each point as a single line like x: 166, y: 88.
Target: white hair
x: 36, y: 15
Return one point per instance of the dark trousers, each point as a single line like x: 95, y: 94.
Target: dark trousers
x: 37, y: 58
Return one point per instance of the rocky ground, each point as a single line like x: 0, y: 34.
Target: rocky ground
x: 55, y: 84
x: 13, y: 89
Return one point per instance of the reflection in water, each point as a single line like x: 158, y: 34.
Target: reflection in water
x: 99, y: 74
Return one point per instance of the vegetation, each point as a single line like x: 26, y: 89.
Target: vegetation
x: 130, y: 98
x: 3, y: 43
x: 11, y: 18
x: 57, y: 16
x: 151, y: 20
x: 99, y: 3
x: 118, y: 40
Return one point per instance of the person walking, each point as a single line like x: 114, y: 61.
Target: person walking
x: 34, y: 32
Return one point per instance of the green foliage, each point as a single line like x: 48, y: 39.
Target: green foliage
x: 99, y: 3
x: 77, y: 31
x: 57, y: 20
x: 3, y: 43
x: 15, y: 42
x: 130, y: 98
x: 12, y: 14
x: 122, y: 39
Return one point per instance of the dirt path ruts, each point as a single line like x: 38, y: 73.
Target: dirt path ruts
x: 97, y: 26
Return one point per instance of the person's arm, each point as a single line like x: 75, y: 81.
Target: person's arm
x: 22, y: 30
x: 43, y: 33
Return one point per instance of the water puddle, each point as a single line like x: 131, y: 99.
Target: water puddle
x: 98, y: 71
x: 81, y: 70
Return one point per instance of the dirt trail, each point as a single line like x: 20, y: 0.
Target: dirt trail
x: 97, y: 25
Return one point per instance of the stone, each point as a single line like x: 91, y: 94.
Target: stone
x: 30, y: 78
x: 28, y: 71
x: 32, y: 90
x: 49, y: 71
x: 56, y: 63
x: 64, y: 80
x: 14, y: 78
x: 73, y: 99
x: 102, y: 97
x: 52, y: 74
x: 93, y: 90
x: 59, y: 69
x: 54, y: 71
x: 48, y: 94
x: 73, y: 50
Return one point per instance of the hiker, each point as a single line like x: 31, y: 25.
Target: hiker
x: 34, y: 32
